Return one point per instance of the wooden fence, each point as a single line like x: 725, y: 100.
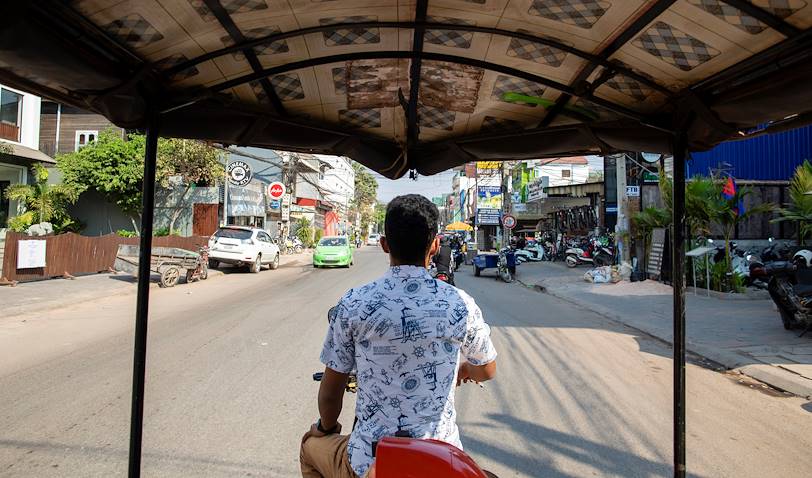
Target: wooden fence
x: 74, y: 254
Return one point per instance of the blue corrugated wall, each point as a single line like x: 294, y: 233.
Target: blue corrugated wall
x: 770, y: 157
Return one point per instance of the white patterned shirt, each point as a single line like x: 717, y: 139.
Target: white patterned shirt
x: 404, y: 334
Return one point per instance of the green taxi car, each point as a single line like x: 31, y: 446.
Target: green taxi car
x: 333, y: 251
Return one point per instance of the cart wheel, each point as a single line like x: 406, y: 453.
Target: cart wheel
x: 190, y: 276
x: 170, y: 277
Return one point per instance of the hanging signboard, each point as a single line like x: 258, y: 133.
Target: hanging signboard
x: 489, y: 197
x: 30, y: 254
x: 239, y: 173
x: 488, y: 164
x: 633, y: 191
x: 488, y: 216
x: 286, y: 207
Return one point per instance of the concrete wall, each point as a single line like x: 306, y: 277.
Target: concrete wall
x: 169, y: 200
x: 99, y: 216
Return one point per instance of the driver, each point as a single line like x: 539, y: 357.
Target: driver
x: 411, y: 338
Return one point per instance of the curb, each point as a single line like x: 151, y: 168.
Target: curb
x: 774, y: 376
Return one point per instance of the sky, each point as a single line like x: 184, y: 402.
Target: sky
x: 436, y: 185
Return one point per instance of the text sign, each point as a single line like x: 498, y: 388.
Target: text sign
x: 487, y: 217
x: 633, y: 191
x: 30, y: 254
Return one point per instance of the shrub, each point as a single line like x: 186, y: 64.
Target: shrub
x: 126, y: 233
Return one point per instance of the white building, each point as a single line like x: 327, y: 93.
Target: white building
x: 338, y: 183
x: 562, y: 171
x: 19, y: 144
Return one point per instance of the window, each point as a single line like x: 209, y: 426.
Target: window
x: 565, y: 173
x: 11, y: 108
x: 83, y: 138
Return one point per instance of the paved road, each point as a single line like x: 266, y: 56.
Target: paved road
x: 229, y: 389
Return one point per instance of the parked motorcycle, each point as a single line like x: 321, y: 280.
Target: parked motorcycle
x: 531, y: 253
x: 790, y: 287
x: 595, y: 254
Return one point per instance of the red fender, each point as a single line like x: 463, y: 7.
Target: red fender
x: 413, y: 458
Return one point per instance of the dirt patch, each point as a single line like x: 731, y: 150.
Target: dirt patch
x: 753, y: 384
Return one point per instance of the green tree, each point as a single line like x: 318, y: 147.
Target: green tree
x: 364, y: 199
x: 191, y: 164
x: 726, y: 213
x: 114, y: 167
x: 800, y: 207
x: 304, y: 232
x: 380, y: 216
x: 43, y: 202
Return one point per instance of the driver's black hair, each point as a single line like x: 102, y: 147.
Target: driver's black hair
x: 410, y: 227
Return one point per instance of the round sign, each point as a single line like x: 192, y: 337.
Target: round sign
x: 651, y: 157
x: 276, y: 190
x: 239, y: 173
x: 508, y: 221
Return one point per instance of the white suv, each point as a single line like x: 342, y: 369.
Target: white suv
x: 243, y: 246
x: 373, y: 239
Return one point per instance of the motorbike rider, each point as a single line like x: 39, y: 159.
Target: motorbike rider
x: 442, y: 260
x: 521, y: 242
x: 411, y: 339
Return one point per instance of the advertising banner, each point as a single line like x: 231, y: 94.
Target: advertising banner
x: 245, y: 202
x: 489, y: 197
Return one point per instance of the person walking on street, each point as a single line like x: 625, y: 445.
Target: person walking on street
x: 411, y: 338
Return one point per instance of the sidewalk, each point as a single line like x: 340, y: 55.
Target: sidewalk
x: 745, y: 335
x: 39, y: 296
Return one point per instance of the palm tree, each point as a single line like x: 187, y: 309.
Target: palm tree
x: 800, y: 207
x: 46, y: 201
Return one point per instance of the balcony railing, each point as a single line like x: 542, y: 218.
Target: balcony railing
x: 9, y: 132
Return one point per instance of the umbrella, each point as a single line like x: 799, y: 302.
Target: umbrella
x: 458, y: 226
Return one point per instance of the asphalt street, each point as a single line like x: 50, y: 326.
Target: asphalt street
x: 229, y: 388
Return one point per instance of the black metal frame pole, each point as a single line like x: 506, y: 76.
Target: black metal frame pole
x: 142, y: 300
x: 678, y: 281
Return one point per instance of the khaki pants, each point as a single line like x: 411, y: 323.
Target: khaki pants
x: 326, y: 457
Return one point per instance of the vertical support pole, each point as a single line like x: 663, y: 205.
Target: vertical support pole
x: 142, y: 300
x: 678, y: 281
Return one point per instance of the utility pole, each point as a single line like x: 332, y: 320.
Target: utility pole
x: 225, y: 193
x: 505, y: 202
x: 622, y: 208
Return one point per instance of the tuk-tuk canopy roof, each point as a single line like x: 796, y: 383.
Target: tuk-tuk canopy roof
x: 425, y: 85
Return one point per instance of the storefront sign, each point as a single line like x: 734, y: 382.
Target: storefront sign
x: 489, y: 197
x: 536, y: 189
x: 633, y: 191
x: 275, y: 205
x: 276, y: 190
x: 488, y: 164
x: 488, y: 217
x: 520, y: 207
x: 239, y: 173
x: 30, y: 254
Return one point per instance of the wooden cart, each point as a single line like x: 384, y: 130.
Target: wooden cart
x: 168, y: 262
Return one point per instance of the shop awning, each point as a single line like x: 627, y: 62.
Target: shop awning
x: 28, y: 153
